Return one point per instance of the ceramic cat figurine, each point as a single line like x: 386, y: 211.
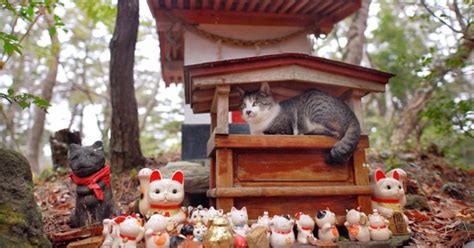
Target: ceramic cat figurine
x: 312, y: 112
x: 357, y: 225
x: 211, y: 214
x: 239, y: 221
x: 263, y: 221
x: 162, y: 196
x: 156, y: 235
x: 389, y: 194
x: 130, y: 231
x: 326, y: 221
x: 91, y: 174
x: 197, y: 214
x: 110, y: 234
x: 199, y: 231
x: 304, y: 226
x: 378, y: 227
x: 282, y: 231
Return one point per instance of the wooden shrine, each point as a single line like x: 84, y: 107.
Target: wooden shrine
x: 281, y: 173
x: 222, y: 44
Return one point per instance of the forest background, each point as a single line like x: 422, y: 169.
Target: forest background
x: 61, y: 54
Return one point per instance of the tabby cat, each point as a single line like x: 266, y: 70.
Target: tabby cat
x: 311, y: 113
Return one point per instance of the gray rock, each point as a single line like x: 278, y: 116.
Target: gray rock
x: 20, y: 218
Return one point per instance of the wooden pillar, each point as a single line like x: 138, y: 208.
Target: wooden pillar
x: 353, y: 99
x: 224, y: 176
x: 220, y: 109
x: 362, y: 178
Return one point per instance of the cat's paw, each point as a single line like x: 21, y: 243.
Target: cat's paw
x: 144, y: 173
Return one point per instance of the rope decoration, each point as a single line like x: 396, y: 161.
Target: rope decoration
x: 240, y: 42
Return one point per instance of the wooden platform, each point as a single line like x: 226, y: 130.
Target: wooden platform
x: 285, y: 174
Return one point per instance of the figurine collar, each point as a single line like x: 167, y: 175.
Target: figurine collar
x: 375, y: 199
x: 91, y: 181
x: 378, y: 227
x: 306, y: 228
x: 122, y: 236
x: 284, y: 232
x: 157, y: 206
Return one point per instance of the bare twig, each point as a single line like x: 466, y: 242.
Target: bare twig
x: 438, y: 18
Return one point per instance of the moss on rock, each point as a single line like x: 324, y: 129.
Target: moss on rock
x: 20, y: 220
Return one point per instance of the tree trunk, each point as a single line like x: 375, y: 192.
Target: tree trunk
x: 356, y: 37
x: 124, y: 144
x: 36, y: 132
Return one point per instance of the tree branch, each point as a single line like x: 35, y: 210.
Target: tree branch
x: 439, y: 19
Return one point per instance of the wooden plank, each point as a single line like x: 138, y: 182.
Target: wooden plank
x: 283, y: 165
x: 312, y: 5
x: 286, y: 6
x: 319, y: 9
x: 361, y: 173
x: 228, y: 4
x: 168, y: 4
x: 205, y: 4
x: 240, y: 5
x: 263, y: 5
x: 281, y: 141
x: 180, y: 4
x: 252, y: 5
x: 289, y: 73
x: 224, y: 177
x: 276, y: 60
x: 220, y: 106
x: 288, y: 191
x: 217, y: 4
x: 275, y: 5
x: 298, y: 6
x: 291, y: 205
x: 285, y: 91
x: 192, y: 4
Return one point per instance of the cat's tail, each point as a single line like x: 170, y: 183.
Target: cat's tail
x: 343, y: 150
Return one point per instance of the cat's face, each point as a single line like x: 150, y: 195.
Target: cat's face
x: 166, y: 192
x: 129, y: 225
x: 157, y: 222
x: 257, y: 105
x: 86, y: 160
x: 388, y: 187
x: 376, y: 219
x: 325, y: 216
x: 304, y: 220
x: 282, y: 223
x: 239, y: 217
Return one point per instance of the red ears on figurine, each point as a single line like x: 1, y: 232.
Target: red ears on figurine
x: 178, y: 176
x: 298, y: 215
x: 155, y: 176
x: 119, y: 219
x: 380, y: 175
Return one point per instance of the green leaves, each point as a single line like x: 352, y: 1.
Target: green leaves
x: 25, y: 100
x: 10, y: 43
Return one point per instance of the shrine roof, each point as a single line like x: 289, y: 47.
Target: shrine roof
x: 290, y: 73
x: 315, y: 16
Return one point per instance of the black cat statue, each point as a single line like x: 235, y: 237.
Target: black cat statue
x: 91, y: 174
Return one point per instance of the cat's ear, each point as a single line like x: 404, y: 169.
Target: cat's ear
x: 265, y: 88
x: 379, y: 175
x: 240, y: 91
x: 178, y: 176
x: 119, y: 219
x: 155, y: 176
x: 395, y: 175
x: 98, y: 145
x: 233, y: 209
x: 244, y: 209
